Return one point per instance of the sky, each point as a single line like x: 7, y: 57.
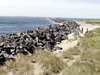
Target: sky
x: 51, y: 8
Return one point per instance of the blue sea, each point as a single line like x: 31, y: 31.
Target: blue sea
x: 21, y: 24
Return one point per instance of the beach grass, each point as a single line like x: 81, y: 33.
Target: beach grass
x: 24, y: 65
x: 91, y: 40
x: 80, y: 68
x: 88, y: 64
x: 21, y: 66
x: 91, y: 21
x: 68, y: 54
x: 89, y: 52
x: 50, y: 62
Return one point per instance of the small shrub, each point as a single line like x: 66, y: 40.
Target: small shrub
x: 92, y: 56
x: 21, y: 66
x: 49, y: 61
x: 91, y: 39
x: 80, y: 68
x: 72, y: 51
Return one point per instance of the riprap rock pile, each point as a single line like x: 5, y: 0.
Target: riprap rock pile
x: 40, y: 38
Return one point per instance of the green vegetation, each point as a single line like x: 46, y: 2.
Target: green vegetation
x: 87, y: 63
x: 92, y: 56
x: 80, y: 68
x: 89, y: 22
x: 24, y: 65
x: 21, y: 66
x: 49, y: 61
x: 89, y: 52
x: 92, y: 21
x: 91, y: 40
x: 68, y: 54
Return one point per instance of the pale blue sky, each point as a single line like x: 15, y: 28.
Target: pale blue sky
x: 51, y: 8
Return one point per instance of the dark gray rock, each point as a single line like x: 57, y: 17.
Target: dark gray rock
x: 40, y: 38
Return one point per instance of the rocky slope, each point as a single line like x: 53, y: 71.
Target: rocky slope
x: 40, y: 38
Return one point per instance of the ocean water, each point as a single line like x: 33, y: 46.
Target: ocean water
x: 21, y: 24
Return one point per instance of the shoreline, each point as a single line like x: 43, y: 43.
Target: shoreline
x: 72, y: 42
x: 40, y: 38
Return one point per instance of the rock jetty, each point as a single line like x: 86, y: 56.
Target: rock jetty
x: 39, y: 38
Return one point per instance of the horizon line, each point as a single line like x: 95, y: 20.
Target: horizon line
x: 53, y: 17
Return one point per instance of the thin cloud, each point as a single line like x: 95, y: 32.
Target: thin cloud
x: 53, y: 8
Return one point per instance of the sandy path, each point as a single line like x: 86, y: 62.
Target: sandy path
x: 37, y: 69
x: 66, y: 44
x: 87, y: 26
